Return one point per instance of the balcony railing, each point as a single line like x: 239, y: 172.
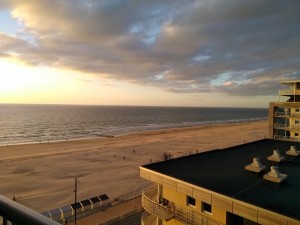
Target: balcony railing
x: 281, y: 137
x: 171, y: 211
x: 151, y: 205
x: 282, y: 126
x: 192, y: 217
x: 287, y: 114
x: 296, y: 114
x: 148, y: 219
x: 286, y: 126
x: 284, y: 114
x: 289, y: 92
x: 17, y: 214
x: 295, y: 127
x: 286, y: 138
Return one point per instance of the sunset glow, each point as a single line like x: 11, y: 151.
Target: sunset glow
x: 199, y: 53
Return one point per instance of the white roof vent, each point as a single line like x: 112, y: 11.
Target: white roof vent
x: 293, y: 151
x: 274, y: 175
x: 255, y: 166
x: 276, y: 157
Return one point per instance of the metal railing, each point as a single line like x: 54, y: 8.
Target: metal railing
x: 295, y: 127
x: 281, y: 126
x: 192, y: 217
x: 285, y: 114
x: 148, y: 219
x: 150, y: 204
x: 289, y: 92
x: 297, y: 114
x: 171, y: 211
x: 286, y: 138
x: 17, y: 214
x: 281, y: 137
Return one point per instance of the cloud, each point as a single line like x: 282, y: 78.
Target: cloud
x: 229, y: 84
x: 234, y: 47
x: 11, y: 46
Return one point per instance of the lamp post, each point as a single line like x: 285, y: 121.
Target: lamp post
x: 75, y: 192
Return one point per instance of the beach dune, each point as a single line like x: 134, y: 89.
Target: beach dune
x: 41, y: 176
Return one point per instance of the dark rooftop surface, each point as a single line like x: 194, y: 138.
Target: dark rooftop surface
x: 223, y: 171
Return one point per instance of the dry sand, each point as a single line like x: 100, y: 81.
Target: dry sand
x: 41, y: 176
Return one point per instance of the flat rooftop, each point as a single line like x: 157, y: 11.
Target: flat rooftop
x: 223, y: 171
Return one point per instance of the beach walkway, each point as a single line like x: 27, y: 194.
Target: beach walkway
x: 116, y: 212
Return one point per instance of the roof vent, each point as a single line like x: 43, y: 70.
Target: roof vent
x: 255, y: 166
x: 276, y: 157
x: 292, y: 151
x: 274, y: 175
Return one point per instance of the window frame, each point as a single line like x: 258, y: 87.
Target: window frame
x: 206, y: 208
x: 189, y: 202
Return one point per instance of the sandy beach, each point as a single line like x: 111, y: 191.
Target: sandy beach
x: 41, y: 176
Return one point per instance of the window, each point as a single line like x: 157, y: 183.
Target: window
x: 297, y: 110
x: 297, y: 122
x: 296, y: 134
x: 206, y: 208
x: 190, y: 201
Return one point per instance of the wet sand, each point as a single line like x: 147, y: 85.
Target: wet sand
x: 41, y: 176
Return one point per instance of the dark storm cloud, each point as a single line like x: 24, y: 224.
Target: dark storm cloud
x: 236, y: 47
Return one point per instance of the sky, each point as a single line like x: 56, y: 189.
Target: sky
x: 202, y: 53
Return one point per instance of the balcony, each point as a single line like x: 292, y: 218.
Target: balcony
x: 192, y: 217
x: 281, y: 126
x: 295, y: 114
x: 295, y: 127
x: 282, y: 138
x: 151, y: 205
x: 282, y: 114
x: 286, y: 138
x: 148, y: 219
x: 289, y: 92
x: 287, y: 114
x: 170, y: 211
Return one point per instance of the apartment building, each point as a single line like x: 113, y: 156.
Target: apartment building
x: 253, y: 183
x: 284, y: 115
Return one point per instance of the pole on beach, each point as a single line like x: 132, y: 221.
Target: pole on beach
x: 75, y: 191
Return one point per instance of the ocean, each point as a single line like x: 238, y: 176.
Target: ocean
x: 43, y: 123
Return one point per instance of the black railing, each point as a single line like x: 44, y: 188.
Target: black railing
x: 18, y: 214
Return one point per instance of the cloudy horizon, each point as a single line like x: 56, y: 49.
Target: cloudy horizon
x: 189, y: 52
